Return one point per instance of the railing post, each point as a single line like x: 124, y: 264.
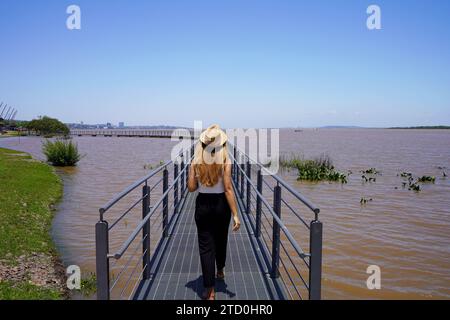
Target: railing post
x: 258, y: 204
x: 186, y: 176
x: 249, y: 188
x: 241, y: 191
x: 234, y: 163
x: 276, y: 233
x: 175, y: 188
x: 182, y: 178
x: 165, y: 203
x: 146, y: 233
x: 102, y: 261
x: 315, y: 265
x: 237, y: 172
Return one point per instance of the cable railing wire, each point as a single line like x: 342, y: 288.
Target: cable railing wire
x: 127, y: 211
x: 127, y: 263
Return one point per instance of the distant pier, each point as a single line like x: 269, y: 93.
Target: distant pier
x: 141, y: 133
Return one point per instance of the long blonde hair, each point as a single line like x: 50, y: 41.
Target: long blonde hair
x: 209, y: 163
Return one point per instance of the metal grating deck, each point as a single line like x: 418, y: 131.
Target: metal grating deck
x: 177, y: 275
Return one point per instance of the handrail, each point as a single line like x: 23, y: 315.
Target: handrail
x: 291, y: 239
x: 127, y: 211
x: 139, y: 227
x: 246, y: 189
x: 136, y: 184
x: 130, y: 188
x: 177, y: 186
x: 295, y: 193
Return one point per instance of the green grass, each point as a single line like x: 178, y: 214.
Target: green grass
x: 16, y: 134
x: 27, y: 190
x: 26, y: 291
x: 89, y: 285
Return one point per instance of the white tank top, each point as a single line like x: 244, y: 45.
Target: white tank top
x: 217, y: 188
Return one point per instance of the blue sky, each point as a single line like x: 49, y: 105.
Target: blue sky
x: 241, y: 63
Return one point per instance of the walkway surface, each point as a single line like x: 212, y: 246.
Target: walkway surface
x: 177, y: 275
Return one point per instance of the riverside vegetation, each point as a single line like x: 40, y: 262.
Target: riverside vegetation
x: 61, y: 152
x: 47, y: 127
x: 317, y: 169
x: 29, y: 267
x: 322, y: 169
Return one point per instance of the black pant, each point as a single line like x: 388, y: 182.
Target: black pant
x: 212, y: 217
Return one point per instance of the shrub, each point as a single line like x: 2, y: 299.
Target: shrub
x: 61, y: 152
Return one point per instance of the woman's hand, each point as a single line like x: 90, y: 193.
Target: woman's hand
x: 237, y: 223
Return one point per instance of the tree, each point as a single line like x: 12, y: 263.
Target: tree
x: 48, y: 126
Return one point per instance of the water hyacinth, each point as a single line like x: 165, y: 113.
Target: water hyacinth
x: 318, y: 169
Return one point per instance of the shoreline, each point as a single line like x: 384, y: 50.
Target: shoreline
x: 30, y: 265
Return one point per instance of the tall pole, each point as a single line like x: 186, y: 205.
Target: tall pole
x: 7, y: 112
x: 11, y: 114
x: 4, y: 110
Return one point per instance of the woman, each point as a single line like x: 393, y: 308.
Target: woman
x: 210, y: 174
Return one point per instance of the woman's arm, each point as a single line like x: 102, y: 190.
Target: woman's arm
x: 229, y: 194
x: 192, y: 180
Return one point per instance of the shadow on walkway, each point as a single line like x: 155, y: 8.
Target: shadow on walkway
x: 197, y: 286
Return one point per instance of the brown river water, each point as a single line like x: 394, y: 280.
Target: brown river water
x: 405, y: 233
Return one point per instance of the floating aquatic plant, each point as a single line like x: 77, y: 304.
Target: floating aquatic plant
x: 371, y: 171
x: 318, y: 169
x: 414, y: 187
x: 427, y: 179
x: 368, y: 179
x: 406, y: 174
x: 153, y: 166
x: 411, y: 184
x: 364, y: 201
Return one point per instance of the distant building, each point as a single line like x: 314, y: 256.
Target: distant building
x: 121, y: 125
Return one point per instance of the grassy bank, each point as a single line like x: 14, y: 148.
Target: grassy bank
x: 28, y: 190
x: 9, y: 134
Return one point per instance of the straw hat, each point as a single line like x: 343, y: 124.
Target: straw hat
x: 213, y: 136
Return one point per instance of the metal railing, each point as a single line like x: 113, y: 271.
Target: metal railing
x: 269, y: 206
x: 121, y: 279
x: 299, y: 271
